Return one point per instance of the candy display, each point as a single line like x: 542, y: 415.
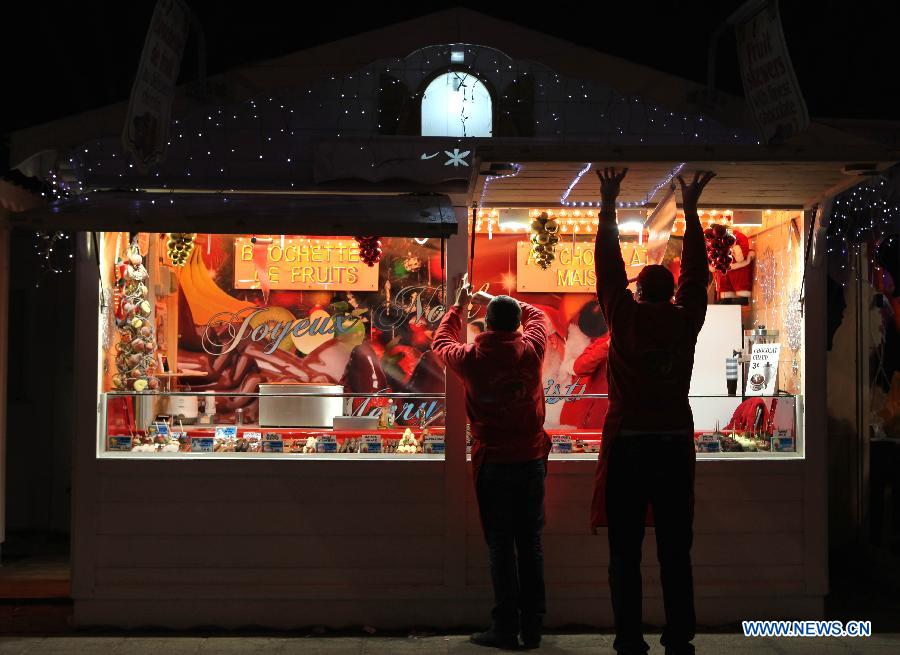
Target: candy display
x: 719, y: 241
x: 408, y: 443
x: 179, y: 246
x: 369, y: 250
x: 135, y: 347
x: 544, y: 238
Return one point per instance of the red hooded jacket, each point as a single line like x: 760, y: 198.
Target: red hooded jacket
x: 651, y: 353
x: 504, y: 393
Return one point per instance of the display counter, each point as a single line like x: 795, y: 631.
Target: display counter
x: 401, y: 425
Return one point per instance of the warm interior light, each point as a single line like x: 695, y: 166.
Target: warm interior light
x: 631, y: 226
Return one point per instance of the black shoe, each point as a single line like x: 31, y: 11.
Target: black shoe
x: 495, y: 640
x: 530, y: 642
x: 531, y: 633
x: 687, y: 649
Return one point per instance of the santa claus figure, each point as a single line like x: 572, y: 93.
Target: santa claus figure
x: 737, y: 281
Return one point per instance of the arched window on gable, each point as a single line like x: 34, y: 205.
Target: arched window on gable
x: 457, y: 104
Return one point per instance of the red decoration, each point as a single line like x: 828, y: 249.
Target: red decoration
x: 718, y: 246
x: 369, y: 250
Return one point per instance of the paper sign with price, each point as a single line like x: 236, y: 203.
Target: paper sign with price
x: 762, y: 377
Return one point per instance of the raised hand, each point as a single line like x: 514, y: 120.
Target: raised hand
x: 463, y: 292
x: 610, y: 183
x: 690, y: 193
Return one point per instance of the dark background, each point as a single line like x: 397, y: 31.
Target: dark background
x: 63, y: 58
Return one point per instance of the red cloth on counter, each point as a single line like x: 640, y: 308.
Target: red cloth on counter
x: 651, y: 353
x: 501, y: 372
x: 592, y: 363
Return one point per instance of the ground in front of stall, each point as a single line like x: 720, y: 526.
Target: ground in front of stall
x: 577, y: 644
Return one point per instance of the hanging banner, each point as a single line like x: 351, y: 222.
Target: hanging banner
x: 332, y: 264
x: 659, y: 228
x: 572, y: 270
x: 146, y: 131
x: 770, y: 85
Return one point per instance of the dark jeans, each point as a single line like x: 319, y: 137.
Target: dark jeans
x: 654, y: 469
x: 511, y: 502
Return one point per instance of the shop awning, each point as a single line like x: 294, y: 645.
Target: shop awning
x: 748, y: 177
x: 421, y: 215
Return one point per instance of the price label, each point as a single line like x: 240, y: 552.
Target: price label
x: 202, y: 444
x: 253, y: 436
x: 783, y: 442
x: 561, y: 443
x: 370, y: 443
x: 709, y: 443
x: 326, y: 443
x: 226, y: 432
x: 434, y: 444
x: 119, y: 443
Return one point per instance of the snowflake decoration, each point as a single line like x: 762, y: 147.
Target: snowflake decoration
x: 457, y: 158
x: 767, y: 276
x: 793, y: 321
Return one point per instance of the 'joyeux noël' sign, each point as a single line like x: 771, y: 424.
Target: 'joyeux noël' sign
x: 226, y: 330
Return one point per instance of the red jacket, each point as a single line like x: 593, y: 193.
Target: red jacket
x: 651, y: 354
x: 591, y: 363
x: 504, y: 393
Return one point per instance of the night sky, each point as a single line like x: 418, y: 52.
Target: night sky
x: 63, y: 58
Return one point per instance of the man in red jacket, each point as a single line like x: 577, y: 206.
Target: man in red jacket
x: 647, y: 456
x: 501, y: 371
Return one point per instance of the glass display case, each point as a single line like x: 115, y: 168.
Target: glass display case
x: 270, y: 344
x: 289, y: 344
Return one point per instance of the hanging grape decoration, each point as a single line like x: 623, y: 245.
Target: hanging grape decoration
x: 543, y: 240
x: 369, y: 250
x: 719, y: 240
x: 179, y: 246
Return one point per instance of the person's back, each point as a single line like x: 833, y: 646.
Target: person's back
x: 647, y: 457
x: 651, y: 357
x: 504, y: 395
x: 501, y: 371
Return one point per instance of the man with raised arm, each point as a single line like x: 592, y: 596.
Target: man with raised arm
x: 647, y: 458
x: 501, y: 371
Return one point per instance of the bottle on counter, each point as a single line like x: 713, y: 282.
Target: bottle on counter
x: 392, y: 414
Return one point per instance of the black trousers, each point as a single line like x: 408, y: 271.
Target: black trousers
x: 657, y: 470
x: 511, y: 502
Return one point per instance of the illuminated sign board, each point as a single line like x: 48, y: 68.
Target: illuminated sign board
x: 572, y: 271
x: 301, y: 263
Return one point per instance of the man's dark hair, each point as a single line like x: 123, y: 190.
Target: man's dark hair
x: 591, y: 321
x: 655, y: 284
x: 503, y: 314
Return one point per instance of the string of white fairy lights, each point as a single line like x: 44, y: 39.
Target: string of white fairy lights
x: 648, y: 197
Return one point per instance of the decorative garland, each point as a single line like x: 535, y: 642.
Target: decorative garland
x: 179, y: 246
x: 135, y: 356
x: 719, y: 241
x: 544, y: 239
x: 369, y: 250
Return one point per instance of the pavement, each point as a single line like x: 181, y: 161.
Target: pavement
x: 556, y: 644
